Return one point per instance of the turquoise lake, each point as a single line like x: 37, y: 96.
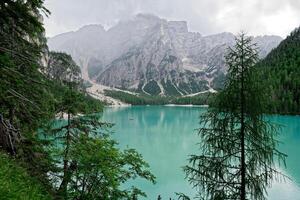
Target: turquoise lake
x: 166, y: 136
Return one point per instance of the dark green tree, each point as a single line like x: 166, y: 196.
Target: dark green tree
x: 25, y: 102
x: 62, y: 68
x: 22, y: 43
x: 237, y: 142
x: 36, y: 85
x: 182, y: 196
x: 102, y: 169
x: 89, y: 166
x: 280, y: 72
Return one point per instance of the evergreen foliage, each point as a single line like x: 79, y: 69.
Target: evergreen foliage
x: 199, y: 99
x: 61, y: 68
x: 280, y: 70
x: 152, y: 88
x: 143, y: 99
x: 238, y: 145
x: 103, y: 177
x: 16, y: 183
x: 36, y: 87
x: 169, y: 88
x: 21, y: 46
x: 82, y: 170
x: 81, y: 147
x: 25, y: 100
x: 75, y: 158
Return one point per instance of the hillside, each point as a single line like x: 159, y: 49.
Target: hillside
x: 16, y: 183
x: 282, y: 74
x: 151, y: 55
x: 144, y: 99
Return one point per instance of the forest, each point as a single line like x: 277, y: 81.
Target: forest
x: 145, y: 99
x: 54, y: 144
x: 278, y: 72
x: 281, y: 74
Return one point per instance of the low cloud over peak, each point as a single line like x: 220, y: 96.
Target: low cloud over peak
x: 257, y: 17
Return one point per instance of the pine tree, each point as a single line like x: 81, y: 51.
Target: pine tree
x: 89, y: 165
x: 81, y: 147
x: 25, y: 102
x: 280, y: 72
x: 237, y: 142
x: 23, y: 99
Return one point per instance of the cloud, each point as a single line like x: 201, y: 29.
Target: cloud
x: 257, y: 17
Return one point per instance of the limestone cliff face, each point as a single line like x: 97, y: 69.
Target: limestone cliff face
x: 152, y: 55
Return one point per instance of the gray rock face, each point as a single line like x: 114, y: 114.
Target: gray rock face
x: 152, y: 55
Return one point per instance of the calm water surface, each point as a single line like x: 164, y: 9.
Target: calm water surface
x: 165, y: 136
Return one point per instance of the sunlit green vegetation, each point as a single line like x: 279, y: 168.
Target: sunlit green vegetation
x: 16, y: 182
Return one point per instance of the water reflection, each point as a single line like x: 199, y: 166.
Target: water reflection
x: 166, y: 136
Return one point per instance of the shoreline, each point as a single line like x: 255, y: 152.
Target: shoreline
x: 166, y: 105
x: 186, y: 105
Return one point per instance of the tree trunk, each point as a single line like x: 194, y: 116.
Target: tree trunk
x: 11, y: 114
x: 66, y: 172
x: 243, y: 165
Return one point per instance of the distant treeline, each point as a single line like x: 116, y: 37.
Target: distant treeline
x: 144, y: 99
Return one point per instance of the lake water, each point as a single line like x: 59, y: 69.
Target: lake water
x: 165, y: 136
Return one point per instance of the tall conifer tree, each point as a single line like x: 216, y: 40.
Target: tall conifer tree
x: 237, y: 142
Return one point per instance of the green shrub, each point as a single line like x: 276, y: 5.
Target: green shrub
x: 15, y: 183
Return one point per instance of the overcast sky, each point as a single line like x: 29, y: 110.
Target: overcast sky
x: 256, y: 17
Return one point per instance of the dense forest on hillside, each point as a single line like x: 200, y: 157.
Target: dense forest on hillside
x: 18, y: 182
x: 53, y: 144
x: 144, y: 99
x: 280, y: 70
x: 238, y: 147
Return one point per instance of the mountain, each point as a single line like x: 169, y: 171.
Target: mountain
x: 152, y: 55
x: 281, y: 71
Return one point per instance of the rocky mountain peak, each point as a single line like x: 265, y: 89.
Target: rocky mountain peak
x: 178, y: 26
x: 152, y: 55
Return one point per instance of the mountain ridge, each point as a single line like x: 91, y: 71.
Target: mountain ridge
x: 152, y: 55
